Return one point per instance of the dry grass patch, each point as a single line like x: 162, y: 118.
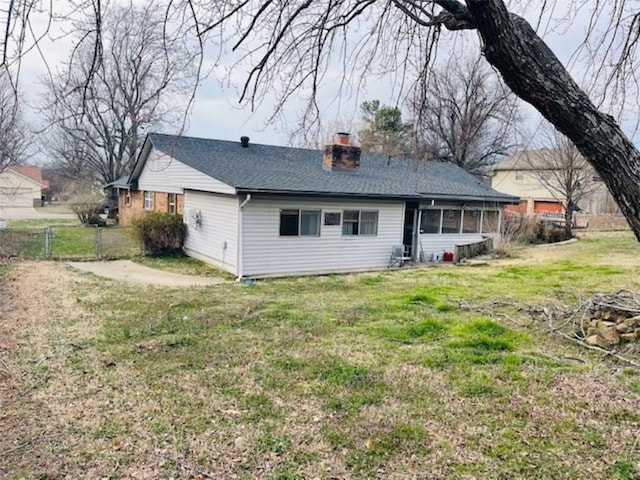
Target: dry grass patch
x: 360, y: 376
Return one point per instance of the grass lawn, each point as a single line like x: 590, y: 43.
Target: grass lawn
x: 184, y: 265
x: 379, y: 375
x: 70, y: 240
x: 42, y: 223
x: 55, y: 208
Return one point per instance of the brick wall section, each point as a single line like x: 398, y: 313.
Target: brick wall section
x: 136, y: 207
x: 161, y: 202
x: 603, y: 222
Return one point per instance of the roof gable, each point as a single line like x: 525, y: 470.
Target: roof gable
x: 31, y: 173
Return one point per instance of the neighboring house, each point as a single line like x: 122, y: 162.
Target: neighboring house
x: 258, y: 210
x: 133, y: 202
x: 22, y: 186
x: 524, y: 175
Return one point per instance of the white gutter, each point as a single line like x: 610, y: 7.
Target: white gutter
x: 247, y: 199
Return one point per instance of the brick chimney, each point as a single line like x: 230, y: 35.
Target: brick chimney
x: 341, y: 156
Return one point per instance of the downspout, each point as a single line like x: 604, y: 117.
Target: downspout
x: 246, y: 200
x: 417, y: 250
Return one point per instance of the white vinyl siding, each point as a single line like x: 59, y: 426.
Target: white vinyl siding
x: 268, y: 253
x: 215, y: 239
x: 162, y: 173
x: 436, y: 245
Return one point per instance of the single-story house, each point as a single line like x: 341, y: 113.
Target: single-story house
x: 260, y: 210
x: 22, y: 186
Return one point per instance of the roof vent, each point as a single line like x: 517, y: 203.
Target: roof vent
x: 244, y: 141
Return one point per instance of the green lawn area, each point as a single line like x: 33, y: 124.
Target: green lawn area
x: 69, y: 240
x: 42, y: 223
x: 55, y: 208
x: 378, y: 375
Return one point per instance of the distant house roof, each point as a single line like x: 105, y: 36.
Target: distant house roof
x: 30, y: 172
x: 273, y: 169
x: 528, y: 160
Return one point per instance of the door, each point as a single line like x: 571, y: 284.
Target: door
x: 409, y: 235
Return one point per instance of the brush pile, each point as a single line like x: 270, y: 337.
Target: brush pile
x: 609, y: 323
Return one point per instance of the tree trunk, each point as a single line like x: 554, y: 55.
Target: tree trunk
x: 568, y: 218
x: 536, y: 75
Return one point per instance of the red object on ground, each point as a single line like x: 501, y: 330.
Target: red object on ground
x: 447, y: 257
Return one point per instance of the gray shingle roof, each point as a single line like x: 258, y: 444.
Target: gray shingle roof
x: 273, y: 169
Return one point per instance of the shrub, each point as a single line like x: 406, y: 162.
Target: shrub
x: 528, y: 229
x: 88, y: 209
x: 160, y: 232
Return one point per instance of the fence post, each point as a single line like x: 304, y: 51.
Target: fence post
x: 48, y: 242
x: 99, y: 243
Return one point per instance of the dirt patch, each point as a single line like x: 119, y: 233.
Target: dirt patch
x: 34, y: 296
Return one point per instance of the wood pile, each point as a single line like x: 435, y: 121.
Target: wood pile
x: 612, y: 320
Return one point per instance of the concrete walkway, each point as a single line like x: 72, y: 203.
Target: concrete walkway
x: 131, y: 272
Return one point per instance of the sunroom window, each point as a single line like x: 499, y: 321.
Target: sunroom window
x: 451, y: 220
x: 471, y: 221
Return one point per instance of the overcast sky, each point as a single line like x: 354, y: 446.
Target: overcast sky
x: 217, y: 114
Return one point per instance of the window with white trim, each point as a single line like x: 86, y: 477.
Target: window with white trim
x: 294, y: 223
x: 148, y: 200
x: 127, y: 197
x: 360, y: 222
x: 171, y: 200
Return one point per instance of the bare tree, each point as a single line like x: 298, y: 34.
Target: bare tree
x: 465, y: 116
x: 565, y: 174
x: 13, y: 138
x: 384, y: 133
x: 295, y: 45
x: 99, y: 111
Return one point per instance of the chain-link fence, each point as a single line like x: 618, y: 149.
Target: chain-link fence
x: 69, y: 242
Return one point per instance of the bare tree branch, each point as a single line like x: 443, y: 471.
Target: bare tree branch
x: 465, y: 116
x: 13, y: 134
x: 102, y: 105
